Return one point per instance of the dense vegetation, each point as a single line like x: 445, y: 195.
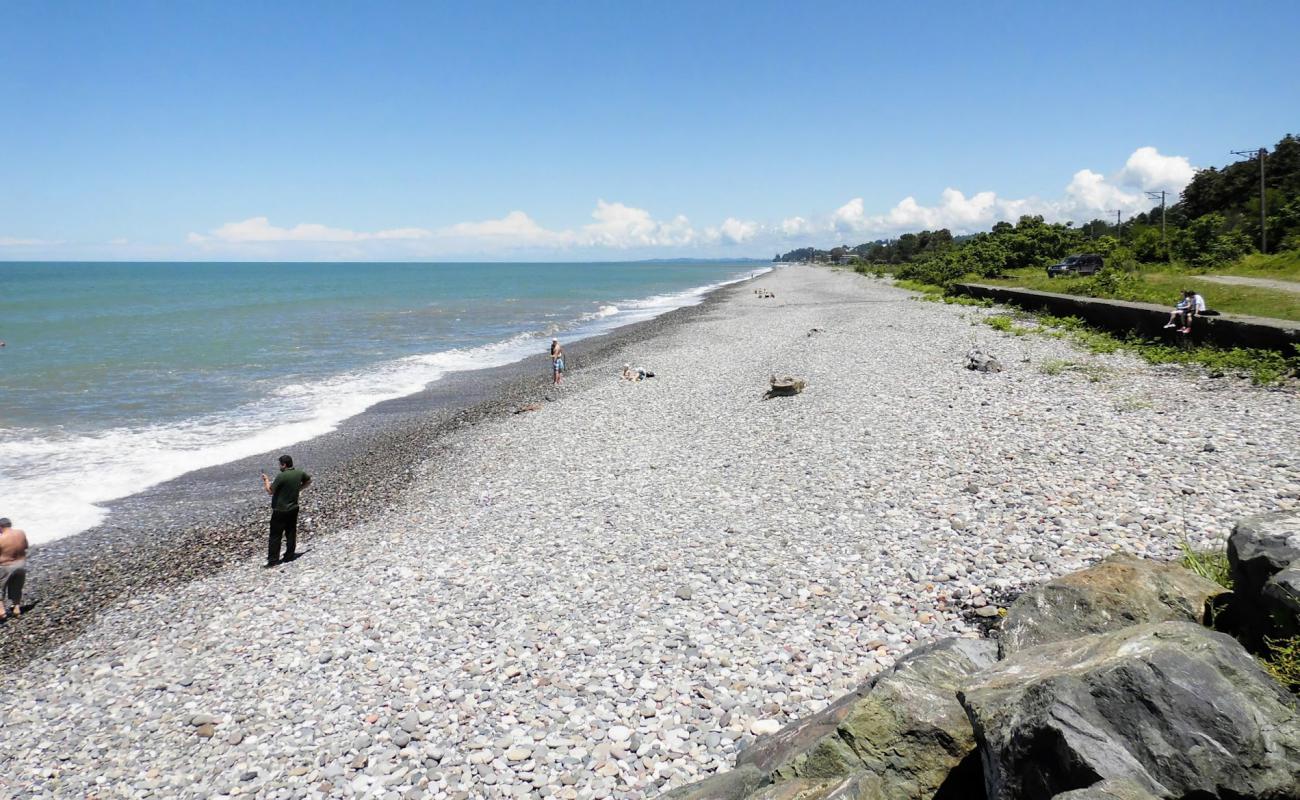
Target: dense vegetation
x: 1214, y: 223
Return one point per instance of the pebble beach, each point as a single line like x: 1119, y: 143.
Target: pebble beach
x: 616, y: 591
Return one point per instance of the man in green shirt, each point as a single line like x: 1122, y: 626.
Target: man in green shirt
x: 284, y: 492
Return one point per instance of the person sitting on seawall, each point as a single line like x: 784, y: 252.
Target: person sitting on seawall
x: 637, y: 374
x: 1196, y: 308
x: 1176, y: 316
x: 13, y: 567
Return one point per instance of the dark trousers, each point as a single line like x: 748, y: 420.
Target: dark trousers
x: 283, y: 523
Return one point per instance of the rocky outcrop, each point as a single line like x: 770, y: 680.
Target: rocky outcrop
x: 1109, y: 688
x: 858, y: 786
x: 1178, y: 710
x: 901, y: 735
x: 737, y: 784
x: 1109, y: 790
x: 1263, y: 556
x: 908, y: 728
x: 1119, y: 592
x: 1281, y: 602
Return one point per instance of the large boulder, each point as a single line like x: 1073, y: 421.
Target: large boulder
x: 1260, y: 548
x: 737, y: 784
x: 858, y: 786
x: 1178, y: 710
x: 1109, y: 790
x: 1281, y: 602
x: 1122, y: 590
x: 907, y: 728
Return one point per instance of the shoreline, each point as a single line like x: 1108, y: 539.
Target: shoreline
x: 214, y: 518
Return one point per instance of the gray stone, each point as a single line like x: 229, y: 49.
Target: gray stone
x: 906, y: 727
x: 1259, y: 548
x: 1108, y: 790
x: 1281, y: 602
x: 1173, y: 707
x: 1118, y: 592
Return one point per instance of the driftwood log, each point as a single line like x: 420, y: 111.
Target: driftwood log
x: 784, y: 387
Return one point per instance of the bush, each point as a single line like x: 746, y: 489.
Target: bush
x: 1282, y: 660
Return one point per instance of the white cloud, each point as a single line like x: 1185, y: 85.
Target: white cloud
x: 1088, y: 195
x: 851, y: 216
x: 621, y: 226
x: 515, y: 229
x: 1150, y: 171
x: 795, y: 226
x: 1091, y: 192
x: 733, y: 231
x: 615, y: 225
x: 11, y: 241
x: 260, y: 229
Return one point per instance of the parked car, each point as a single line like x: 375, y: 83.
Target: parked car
x: 1083, y: 264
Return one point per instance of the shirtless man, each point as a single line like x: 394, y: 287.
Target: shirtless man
x: 13, y: 567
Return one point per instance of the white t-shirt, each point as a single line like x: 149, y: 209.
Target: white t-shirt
x: 1199, y: 303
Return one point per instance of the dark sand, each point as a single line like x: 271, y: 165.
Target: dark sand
x: 210, y: 519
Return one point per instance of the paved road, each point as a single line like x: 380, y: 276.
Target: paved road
x: 1262, y: 283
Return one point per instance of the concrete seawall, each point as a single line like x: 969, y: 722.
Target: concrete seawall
x: 1147, y: 319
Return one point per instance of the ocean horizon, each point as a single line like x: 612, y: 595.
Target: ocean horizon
x: 118, y: 376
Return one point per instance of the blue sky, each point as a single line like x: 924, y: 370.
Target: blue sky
x: 556, y: 130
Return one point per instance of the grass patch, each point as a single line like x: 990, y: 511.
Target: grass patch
x: 1164, y: 285
x: 1263, y: 367
x: 1054, y: 366
x: 1278, y: 266
x: 930, y: 291
x: 1282, y: 660
x: 1003, y: 323
x: 1130, y: 404
x: 1209, y: 564
x: 963, y: 300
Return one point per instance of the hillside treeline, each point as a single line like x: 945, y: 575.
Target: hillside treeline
x: 1215, y: 221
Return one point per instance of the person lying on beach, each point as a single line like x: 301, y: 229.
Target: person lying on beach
x: 557, y: 360
x: 13, y: 567
x: 637, y: 374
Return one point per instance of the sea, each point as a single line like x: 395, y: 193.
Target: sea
x: 115, y: 377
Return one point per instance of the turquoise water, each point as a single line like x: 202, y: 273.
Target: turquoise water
x: 119, y: 376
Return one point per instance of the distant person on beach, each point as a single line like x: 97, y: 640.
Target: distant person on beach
x: 284, y: 491
x: 637, y: 374
x: 13, y: 567
x: 557, y: 360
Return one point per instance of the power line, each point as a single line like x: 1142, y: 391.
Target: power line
x: 1119, y: 229
x: 1161, y: 195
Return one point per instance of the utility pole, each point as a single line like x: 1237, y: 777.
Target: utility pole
x: 1119, y: 231
x: 1161, y: 195
x: 1263, y: 198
